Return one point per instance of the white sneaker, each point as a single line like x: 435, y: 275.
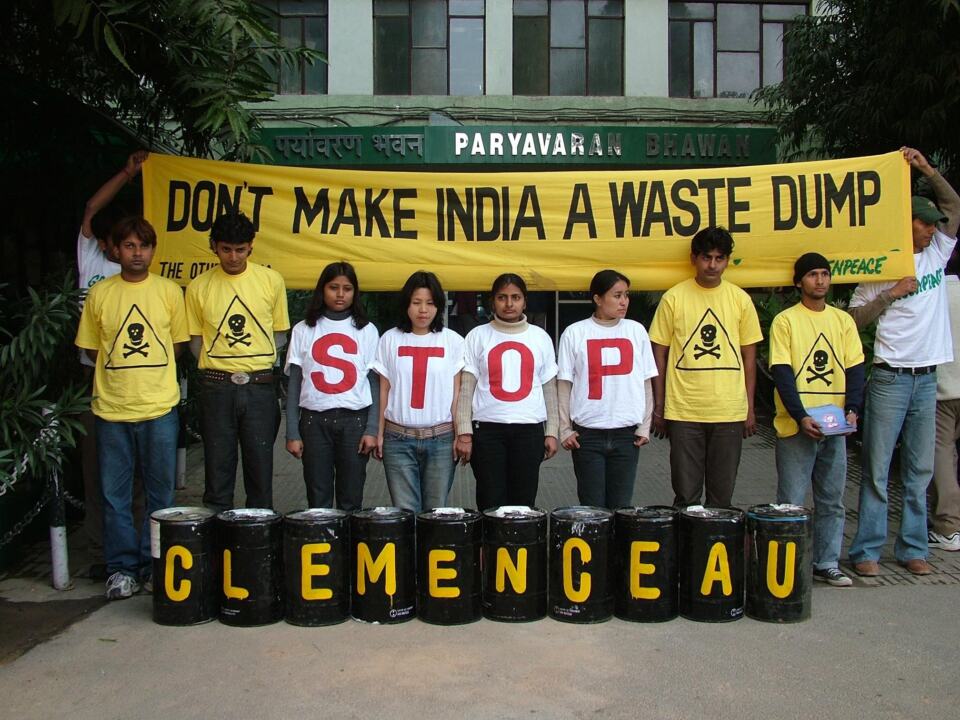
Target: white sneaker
x: 832, y: 576
x: 944, y: 542
x: 121, y: 586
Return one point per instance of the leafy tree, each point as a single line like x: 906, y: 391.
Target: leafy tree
x: 869, y: 76
x: 38, y: 407
x: 178, y: 72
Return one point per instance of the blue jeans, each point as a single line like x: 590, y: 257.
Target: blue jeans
x: 331, y: 463
x: 800, y: 459
x: 151, y: 446
x: 419, y: 471
x: 248, y: 415
x: 896, y: 405
x: 605, y: 466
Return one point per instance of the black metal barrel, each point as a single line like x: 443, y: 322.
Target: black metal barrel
x: 184, y: 566
x: 316, y: 563
x: 581, y: 564
x: 779, y: 567
x: 514, y: 563
x: 646, y: 559
x: 711, y: 564
x: 249, y: 542
x: 382, y: 562
x: 448, y: 566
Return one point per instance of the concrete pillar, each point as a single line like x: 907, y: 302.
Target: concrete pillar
x: 645, y: 52
x: 350, y: 46
x: 498, y: 31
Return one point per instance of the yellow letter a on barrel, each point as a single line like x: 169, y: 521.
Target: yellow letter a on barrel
x: 583, y: 593
x: 781, y: 590
x: 718, y: 568
x: 386, y: 562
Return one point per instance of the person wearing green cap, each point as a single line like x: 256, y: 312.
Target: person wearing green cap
x: 913, y: 337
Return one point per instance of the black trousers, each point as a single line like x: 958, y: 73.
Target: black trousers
x: 506, y: 461
x: 247, y: 416
x: 704, y: 455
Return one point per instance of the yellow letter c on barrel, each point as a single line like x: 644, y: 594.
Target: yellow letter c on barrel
x: 581, y: 594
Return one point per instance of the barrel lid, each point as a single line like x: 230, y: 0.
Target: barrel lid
x: 182, y: 514
x: 383, y: 513
x: 649, y: 512
x: 779, y: 512
x: 448, y: 514
x: 582, y: 513
x: 246, y: 515
x: 515, y: 512
x: 712, y: 513
x: 316, y: 514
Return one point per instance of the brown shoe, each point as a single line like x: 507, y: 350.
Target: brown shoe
x: 867, y: 568
x: 917, y: 566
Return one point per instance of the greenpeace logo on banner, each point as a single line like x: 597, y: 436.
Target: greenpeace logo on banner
x: 556, y: 229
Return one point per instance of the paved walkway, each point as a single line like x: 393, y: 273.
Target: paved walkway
x: 875, y: 650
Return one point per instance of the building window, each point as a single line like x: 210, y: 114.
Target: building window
x: 299, y: 23
x: 568, y: 47
x: 728, y: 49
x: 428, y: 47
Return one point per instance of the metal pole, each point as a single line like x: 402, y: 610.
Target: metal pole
x: 59, y: 558
x: 181, y: 481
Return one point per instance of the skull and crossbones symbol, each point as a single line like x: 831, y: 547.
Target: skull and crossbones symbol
x: 136, y: 345
x: 238, y: 336
x: 818, y: 371
x: 708, y: 335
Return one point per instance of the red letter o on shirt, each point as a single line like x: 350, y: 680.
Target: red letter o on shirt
x: 495, y: 365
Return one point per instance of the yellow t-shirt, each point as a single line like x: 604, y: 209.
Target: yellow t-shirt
x: 133, y: 327
x: 819, y: 347
x: 236, y: 316
x: 704, y: 329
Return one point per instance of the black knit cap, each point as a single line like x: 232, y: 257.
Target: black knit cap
x: 807, y: 262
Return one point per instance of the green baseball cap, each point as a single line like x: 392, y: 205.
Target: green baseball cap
x: 926, y: 210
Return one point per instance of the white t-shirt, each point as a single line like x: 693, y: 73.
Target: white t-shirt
x: 915, y: 330
x: 92, y: 267
x: 335, y: 358
x: 421, y: 370
x: 511, y: 369
x: 608, y: 366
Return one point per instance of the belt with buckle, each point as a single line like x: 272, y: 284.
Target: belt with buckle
x: 238, y: 378
x: 419, y: 433
x: 907, y: 370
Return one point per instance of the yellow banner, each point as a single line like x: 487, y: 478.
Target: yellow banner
x: 556, y: 229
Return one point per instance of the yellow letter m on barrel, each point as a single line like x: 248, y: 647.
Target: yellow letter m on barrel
x: 386, y: 563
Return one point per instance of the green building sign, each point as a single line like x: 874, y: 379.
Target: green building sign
x: 512, y: 145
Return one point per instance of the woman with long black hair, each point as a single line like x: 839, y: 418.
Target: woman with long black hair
x: 333, y: 395
x: 419, y: 363
x: 507, y: 414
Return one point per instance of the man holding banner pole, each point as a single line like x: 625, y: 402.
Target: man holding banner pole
x: 704, y: 337
x: 237, y: 315
x: 913, y: 337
